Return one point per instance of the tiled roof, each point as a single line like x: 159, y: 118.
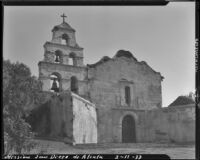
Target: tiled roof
x: 182, y: 100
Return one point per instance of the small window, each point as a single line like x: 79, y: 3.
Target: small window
x: 127, y: 95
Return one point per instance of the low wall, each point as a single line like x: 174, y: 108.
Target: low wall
x: 53, y: 118
x: 66, y: 116
x: 84, y: 120
x: 171, y: 124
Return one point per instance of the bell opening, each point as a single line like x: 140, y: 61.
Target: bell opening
x: 55, y: 87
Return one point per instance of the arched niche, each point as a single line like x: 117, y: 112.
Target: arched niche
x: 74, y: 84
x: 58, y: 56
x: 72, y: 59
x: 65, y: 39
x: 127, y: 95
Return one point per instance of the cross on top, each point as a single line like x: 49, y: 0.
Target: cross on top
x: 63, y: 16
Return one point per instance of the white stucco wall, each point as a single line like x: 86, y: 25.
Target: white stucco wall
x: 84, y: 121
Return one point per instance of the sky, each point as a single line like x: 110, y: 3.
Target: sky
x: 163, y: 36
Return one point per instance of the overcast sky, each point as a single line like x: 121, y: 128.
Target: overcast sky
x: 163, y: 36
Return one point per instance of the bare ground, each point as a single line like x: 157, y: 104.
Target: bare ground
x: 174, y: 151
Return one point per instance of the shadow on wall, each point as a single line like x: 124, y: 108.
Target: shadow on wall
x: 39, y: 119
x: 50, y: 119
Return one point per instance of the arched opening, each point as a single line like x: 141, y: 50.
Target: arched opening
x: 72, y: 59
x: 65, y: 39
x: 127, y: 95
x: 74, y: 84
x: 128, y: 129
x: 55, y: 82
x: 58, y: 56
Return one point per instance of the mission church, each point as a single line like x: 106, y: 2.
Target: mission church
x: 104, y: 102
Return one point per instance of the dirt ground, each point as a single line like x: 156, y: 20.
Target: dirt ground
x: 172, y: 150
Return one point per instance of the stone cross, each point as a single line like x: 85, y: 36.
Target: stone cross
x: 63, y: 16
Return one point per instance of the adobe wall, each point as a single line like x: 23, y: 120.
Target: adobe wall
x: 66, y: 116
x: 101, y: 93
x: 145, y: 83
x: 84, y: 121
x: 171, y: 125
x: 106, y: 89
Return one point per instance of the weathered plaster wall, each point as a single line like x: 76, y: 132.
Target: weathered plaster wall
x: 106, y: 89
x: 153, y: 123
x: 84, y: 120
x: 174, y: 124
x: 69, y: 117
x: 168, y: 125
x: 145, y: 84
x: 103, y: 95
x: 158, y: 125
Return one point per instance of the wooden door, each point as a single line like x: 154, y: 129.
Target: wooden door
x: 128, y: 129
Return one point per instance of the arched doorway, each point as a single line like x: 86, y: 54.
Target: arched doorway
x: 128, y: 129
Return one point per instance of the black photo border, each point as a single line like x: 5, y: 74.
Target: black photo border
x: 115, y: 3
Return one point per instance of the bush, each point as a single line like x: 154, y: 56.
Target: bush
x: 21, y: 91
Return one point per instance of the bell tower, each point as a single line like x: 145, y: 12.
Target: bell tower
x: 63, y: 59
x: 63, y: 47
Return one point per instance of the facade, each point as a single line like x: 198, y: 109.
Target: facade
x: 122, y: 89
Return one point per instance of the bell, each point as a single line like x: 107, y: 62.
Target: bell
x: 57, y: 59
x: 54, y: 86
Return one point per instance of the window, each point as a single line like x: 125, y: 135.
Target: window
x: 127, y: 95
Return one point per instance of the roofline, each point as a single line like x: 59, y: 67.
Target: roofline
x: 69, y: 29
x: 49, y: 42
x: 141, y: 63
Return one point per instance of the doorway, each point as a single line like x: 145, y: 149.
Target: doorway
x: 128, y: 129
